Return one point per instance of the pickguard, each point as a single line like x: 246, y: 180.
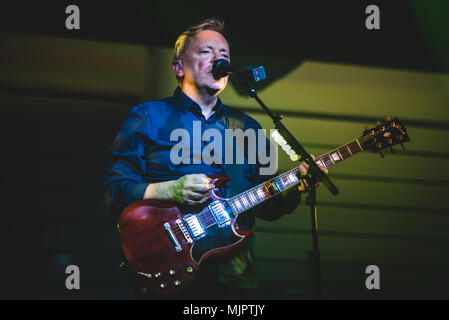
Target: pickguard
x: 217, y: 238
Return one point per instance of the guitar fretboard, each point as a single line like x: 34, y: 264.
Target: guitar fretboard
x: 342, y: 153
x: 258, y: 194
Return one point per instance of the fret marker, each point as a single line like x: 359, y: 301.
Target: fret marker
x: 293, y: 179
x: 335, y: 157
x: 261, y: 194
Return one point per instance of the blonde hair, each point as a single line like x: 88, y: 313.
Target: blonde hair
x: 183, y: 41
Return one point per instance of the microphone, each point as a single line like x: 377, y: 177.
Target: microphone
x: 222, y: 68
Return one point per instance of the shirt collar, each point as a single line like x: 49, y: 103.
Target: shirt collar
x: 188, y: 104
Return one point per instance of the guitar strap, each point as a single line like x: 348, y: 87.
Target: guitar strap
x: 235, y: 119
x: 239, y: 270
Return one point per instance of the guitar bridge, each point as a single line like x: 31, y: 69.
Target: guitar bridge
x: 184, y: 231
x: 172, y: 237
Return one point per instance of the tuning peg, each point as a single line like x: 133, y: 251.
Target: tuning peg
x: 381, y: 154
x: 388, y: 118
x: 378, y: 123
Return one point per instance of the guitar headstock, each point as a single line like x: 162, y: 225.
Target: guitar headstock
x: 384, y: 135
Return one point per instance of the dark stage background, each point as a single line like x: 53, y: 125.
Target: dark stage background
x: 64, y: 94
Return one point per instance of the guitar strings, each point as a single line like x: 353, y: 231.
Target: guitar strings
x: 207, y: 217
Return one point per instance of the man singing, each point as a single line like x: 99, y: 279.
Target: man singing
x: 142, y: 167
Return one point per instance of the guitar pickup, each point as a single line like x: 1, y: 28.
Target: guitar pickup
x: 221, y: 215
x: 194, y: 226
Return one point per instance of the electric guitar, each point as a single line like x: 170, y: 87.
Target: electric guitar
x: 166, y: 245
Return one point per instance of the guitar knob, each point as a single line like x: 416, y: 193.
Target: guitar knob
x: 163, y: 285
x: 171, y: 272
x: 378, y: 123
x: 177, y: 283
x: 158, y: 275
x: 190, y: 269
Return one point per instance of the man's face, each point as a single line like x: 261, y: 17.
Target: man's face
x: 198, y: 59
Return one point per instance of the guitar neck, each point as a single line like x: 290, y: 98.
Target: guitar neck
x: 340, y: 154
x: 262, y: 192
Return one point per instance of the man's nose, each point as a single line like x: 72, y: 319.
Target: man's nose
x: 217, y: 55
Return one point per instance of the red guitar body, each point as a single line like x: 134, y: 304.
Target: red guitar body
x: 161, y: 241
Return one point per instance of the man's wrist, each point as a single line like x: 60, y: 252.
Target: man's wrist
x: 178, y: 190
x: 166, y: 191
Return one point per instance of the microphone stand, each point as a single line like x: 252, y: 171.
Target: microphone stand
x: 314, y: 174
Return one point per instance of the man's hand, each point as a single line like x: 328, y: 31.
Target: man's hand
x: 304, y: 168
x: 191, y: 189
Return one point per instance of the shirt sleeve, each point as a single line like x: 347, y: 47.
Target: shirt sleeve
x: 124, y: 178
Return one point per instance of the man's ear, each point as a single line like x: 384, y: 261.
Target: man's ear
x: 177, y: 68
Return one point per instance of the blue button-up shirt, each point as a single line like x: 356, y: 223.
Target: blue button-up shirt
x: 141, y: 150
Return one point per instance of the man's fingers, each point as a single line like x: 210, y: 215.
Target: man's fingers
x: 204, y: 199
x: 198, y: 183
x: 303, y: 170
x: 201, y: 188
x: 196, y: 196
x: 201, y: 178
x: 303, y: 185
x: 196, y: 202
x: 323, y: 169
